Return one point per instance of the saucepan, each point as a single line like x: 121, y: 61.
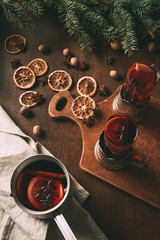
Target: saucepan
x: 56, y: 211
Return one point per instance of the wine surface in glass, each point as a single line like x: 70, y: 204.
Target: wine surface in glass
x: 140, y: 83
x: 119, y: 134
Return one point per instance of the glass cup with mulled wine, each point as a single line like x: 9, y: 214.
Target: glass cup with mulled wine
x: 41, y: 185
x: 119, y: 134
x: 141, y: 80
x: 116, y: 142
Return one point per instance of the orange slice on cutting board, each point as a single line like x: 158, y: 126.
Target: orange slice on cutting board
x: 83, y: 107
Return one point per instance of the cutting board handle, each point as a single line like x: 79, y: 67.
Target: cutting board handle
x: 60, y: 105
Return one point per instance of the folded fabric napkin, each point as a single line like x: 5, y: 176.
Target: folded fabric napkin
x: 16, y: 224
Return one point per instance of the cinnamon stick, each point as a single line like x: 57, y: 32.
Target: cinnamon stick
x: 44, y: 173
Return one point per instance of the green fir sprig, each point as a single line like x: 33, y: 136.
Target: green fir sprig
x: 127, y: 21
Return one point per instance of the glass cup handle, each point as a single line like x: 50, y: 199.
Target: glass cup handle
x: 137, y: 161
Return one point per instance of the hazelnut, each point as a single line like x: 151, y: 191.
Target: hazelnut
x: 151, y: 47
x: 66, y: 52
x: 36, y: 130
x: 74, y: 62
x: 115, y: 45
x: 42, y: 48
x: 122, y: 44
x: 114, y: 74
x: 24, y: 110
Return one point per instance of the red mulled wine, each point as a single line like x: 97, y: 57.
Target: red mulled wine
x: 119, y: 133
x: 41, y: 185
x: 141, y: 80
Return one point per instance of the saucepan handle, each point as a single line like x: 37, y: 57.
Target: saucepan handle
x: 64, y: 227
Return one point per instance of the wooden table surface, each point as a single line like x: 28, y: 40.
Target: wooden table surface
x: 119, y: 215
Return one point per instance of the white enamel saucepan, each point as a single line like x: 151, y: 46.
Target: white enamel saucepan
x: 56, y: 211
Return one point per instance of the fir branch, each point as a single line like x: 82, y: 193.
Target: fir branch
x: 126, y: 20
x: 34, y: 6
x: 74, y: 25
x: 125, y: 23
x: 14, y: 13
x: 99, y: 24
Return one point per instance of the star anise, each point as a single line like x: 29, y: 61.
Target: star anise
x: 109, y: 60
x: 89, y: 122
x: 44, y: 80
x: 15, y: 63
x: 82, y: 65
x: 50, y: 188
x: 121, y: 133
x: 102, y: 90
x: 45, y: 192
x: 47, y: 201
x: 37, y: 97
x: 135, y: 81
x: 66, y: 62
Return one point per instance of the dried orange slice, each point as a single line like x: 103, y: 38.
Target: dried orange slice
x: 24, y: 77
x: 86, y: 86
x: 30, y: 98
x: 39, y: 66
x: 59, y: 80
x: 83, y: 107
x: 15, y: 44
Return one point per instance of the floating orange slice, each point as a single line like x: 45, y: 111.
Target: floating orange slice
x: 45, y: 193
x: 59, y: 80
x: 15, y: 44
x: 24, y: 77
x: 29, y: 98
x: 83, y: 107
x: 39, y: 66
x: 86, y: 86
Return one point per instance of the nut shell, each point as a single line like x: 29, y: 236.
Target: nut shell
x: 74, y: 62
x: 36, y: 130
x: 151, y: 47
x: 24, y: 110
x: 114, y: 74
x: 66, y: 52
x: 42, y: 48
x: 116, y: 45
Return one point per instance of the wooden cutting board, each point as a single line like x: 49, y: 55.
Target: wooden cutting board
x: 143, y: 184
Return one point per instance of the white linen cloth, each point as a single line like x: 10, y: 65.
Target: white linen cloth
x: 18, y: 225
